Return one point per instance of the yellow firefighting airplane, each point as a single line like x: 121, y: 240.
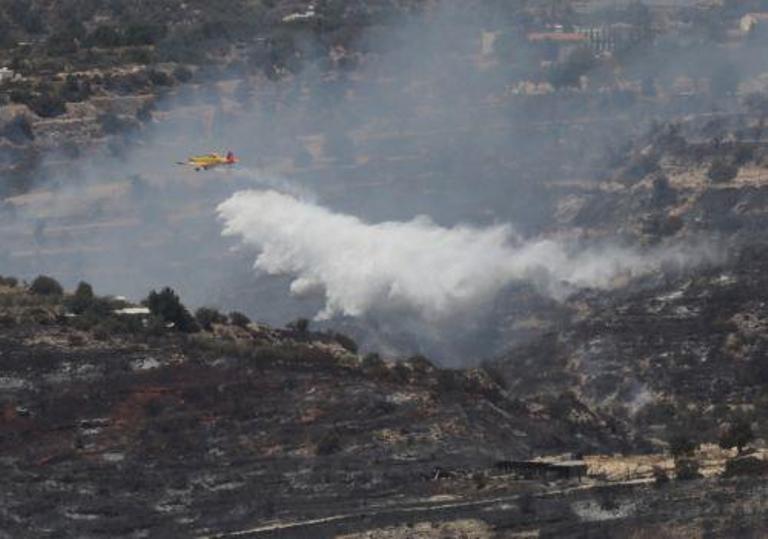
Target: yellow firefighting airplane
x: 211, y: 160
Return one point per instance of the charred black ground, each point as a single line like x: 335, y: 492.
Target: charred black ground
x: 637, y: 410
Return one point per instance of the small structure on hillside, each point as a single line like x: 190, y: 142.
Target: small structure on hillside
x: 133, y: 311
x: 542, y: 469
x: 6, y: 74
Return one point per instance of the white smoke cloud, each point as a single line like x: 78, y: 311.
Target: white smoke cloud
x: 416, y: 265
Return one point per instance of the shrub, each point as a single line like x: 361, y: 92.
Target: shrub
x: 301, y: 325
x: 374, y: 366
x: 682, y: 445
x: 207, y: 316
x: 346, y: 342
x: 105, y: 37
x: 399, y: 373
x: 144, y: 34
x: 479, y: 480
x: 421, y: 365
x: 745, y: 466
x: 743, y: 154
x: 237, y: 318
x: 660, y: 476
x: 721, y: 171
x: 47, y: 105
x: 46, y: 286
x: 82, y: 300
x: 167, y: 306
x: 663, y: 193
x: 75, y: 90
x: 182, y: 74
x: 738, y: 435
x: 329, y: 444
x: 686, y: 469
x: 9, y: 282
x: 160, y: 78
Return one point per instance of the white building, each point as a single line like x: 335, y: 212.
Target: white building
x: 310, y: 13
x: 6, y: 74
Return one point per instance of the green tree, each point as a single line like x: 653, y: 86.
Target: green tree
x: 48, y: 105
x: 46, y: 286
x: 239, y: 319
x: 82, y: 300
x: 207, y: 316
x: 167, y: 306
x: 682, y: 445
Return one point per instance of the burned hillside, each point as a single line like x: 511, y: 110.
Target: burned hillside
x: 112, y: 428
x: 240, y: 424
x: 392, y: 268
x: 684, y: 353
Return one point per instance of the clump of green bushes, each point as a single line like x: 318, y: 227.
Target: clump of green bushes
x: 46, y: 286
x: 167, y: 306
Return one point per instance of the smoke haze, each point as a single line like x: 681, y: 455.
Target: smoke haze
x: 421, y: 125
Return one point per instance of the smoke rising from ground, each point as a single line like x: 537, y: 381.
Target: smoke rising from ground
x: 415, y: 265
x: 424, y: 123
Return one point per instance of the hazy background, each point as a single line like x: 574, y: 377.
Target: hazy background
x: 421, y: 126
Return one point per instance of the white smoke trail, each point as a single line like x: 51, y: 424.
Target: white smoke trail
x: 415, y: 265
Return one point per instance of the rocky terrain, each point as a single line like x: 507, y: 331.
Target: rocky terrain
x: 108, y: 433
x: 630, y: 411
x: 111, y: 428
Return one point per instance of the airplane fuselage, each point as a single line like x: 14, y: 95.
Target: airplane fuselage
x: 206, y: 162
